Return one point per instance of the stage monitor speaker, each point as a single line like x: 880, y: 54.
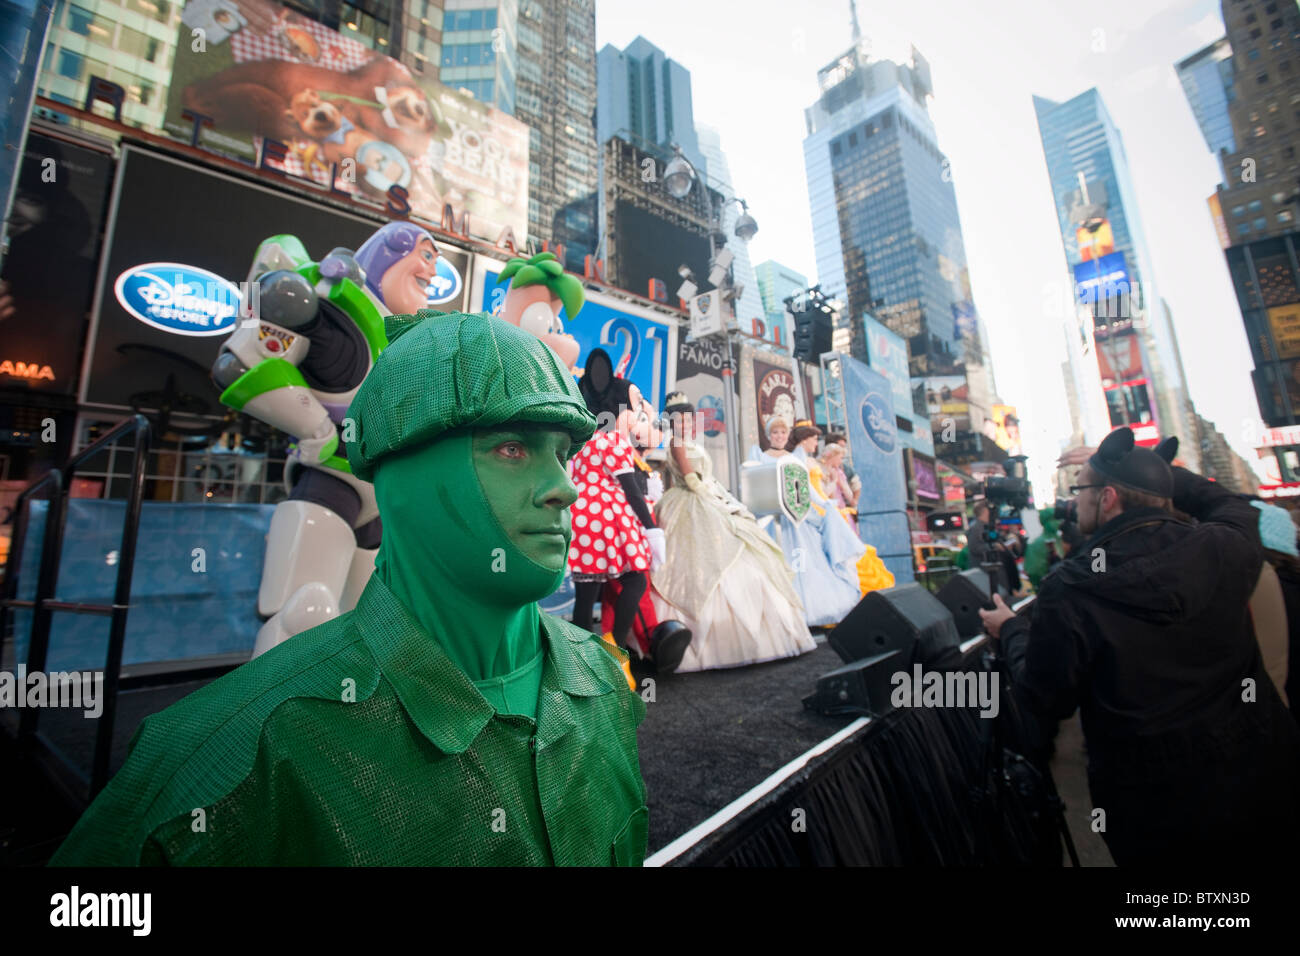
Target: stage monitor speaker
x: 964, y: 595
x: 905, y: 618
x: 862, y: 688
x: 998, y: 575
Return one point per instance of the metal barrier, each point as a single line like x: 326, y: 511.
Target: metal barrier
x: 44, y: 604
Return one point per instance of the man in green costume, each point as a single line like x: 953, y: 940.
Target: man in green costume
x: 445, y: 720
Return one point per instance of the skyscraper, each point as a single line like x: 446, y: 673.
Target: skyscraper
x: 478, y: 50
x: 887, y: 234
x: 1258, y: 203
x: 1262, y: 174
x: 1136, y: 353
x: 420, y: 46
x: 1207, y: 78
x: 776, y: 283
x: 132, y: 45
x: 556, y: 97
x: 643, y: 93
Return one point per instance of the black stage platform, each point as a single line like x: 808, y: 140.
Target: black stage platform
x: 711, y: 736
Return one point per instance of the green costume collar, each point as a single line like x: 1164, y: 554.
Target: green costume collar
x: 440, y: 700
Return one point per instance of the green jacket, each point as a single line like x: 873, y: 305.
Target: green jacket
x: 360, y: 742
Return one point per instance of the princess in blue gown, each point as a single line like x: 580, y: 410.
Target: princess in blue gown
x: 822, y: 549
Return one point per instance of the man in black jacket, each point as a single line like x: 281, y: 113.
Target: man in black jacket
x: 1192, y: 757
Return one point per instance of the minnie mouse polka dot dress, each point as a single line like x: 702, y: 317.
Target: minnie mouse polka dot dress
x: 608, y: 540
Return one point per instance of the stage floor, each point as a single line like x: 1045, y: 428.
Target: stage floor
x: 710, y: 736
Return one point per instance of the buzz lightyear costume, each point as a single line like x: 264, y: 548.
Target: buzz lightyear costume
x: 445, y: 720
x: 296, y: 365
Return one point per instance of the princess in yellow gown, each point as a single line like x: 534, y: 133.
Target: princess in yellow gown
x: 724, y: 578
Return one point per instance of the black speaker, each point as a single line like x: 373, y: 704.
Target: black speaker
x: 998, y: 575
x: 863, y: 687
x: 964, y: 595
x: 906, y: 618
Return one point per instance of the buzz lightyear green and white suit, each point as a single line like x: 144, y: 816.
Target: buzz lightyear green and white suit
x: 295, y: 362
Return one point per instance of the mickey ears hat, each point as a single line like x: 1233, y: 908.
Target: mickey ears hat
x: 1120, y: 461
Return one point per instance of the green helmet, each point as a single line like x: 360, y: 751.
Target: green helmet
x: 452, y: 370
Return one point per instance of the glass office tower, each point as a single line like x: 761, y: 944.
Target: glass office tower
x: 887, y: 233
x: 1110, y: 269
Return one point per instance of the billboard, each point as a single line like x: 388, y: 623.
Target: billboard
x: 774, y: 396
x: 947, y: 399
x: 1095, y: 245
x: 1119, y: 357
x: 923, y: 473
x: 169, y: 269
x: 1220, y: 224
x: 647, y: 247
x: 644, y: 341
x: 1103, y: 279
x: 54, y: 227
x: 887, y: 354
x: 877, y: 458
x: 1006, y: 424
x: 345, y: 116
x: 1284, y: 320
x: 699, y: 375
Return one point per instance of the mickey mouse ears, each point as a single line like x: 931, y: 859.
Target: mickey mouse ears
x: 1120, y: 461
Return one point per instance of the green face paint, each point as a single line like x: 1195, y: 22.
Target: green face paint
x: 476, y: 531
x: 521, y: 468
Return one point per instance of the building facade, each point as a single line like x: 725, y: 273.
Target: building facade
x: 478, y: 51
x: 421, y: 37
x: 556, y: 99
x: 648, y: 234
x: 776, y: 283
x: 888, y: 236
x: 1259, y: 199
x: 1110, y: 278
x: 643, y: 93
x: 132, y: 45
x: 1207, y: 77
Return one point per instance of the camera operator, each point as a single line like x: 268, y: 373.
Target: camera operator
x: 1145, y: 629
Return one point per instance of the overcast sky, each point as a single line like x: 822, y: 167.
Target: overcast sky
x: 754, y: 69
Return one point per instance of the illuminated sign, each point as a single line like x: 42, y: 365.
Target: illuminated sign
x: 1148, y: 435
x: 1285, y: 490
x: 180, y: 299
x: 1274, y: 437
x: 1102, y: 278
x: 30, y: 370
x: 1285, y: 322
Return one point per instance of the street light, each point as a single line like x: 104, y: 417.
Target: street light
x: 679, y: 178
x: 746, y: 227
x: 679, y: 175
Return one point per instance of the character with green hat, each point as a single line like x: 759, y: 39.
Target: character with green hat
x: 445, y: 720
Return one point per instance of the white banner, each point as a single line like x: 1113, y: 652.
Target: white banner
x: 706, y: 314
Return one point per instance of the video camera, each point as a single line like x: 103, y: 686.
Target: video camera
x: 1006, y: 495
x: 1011, y: 491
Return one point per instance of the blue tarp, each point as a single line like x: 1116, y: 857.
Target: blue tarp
x: 176, y: 611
